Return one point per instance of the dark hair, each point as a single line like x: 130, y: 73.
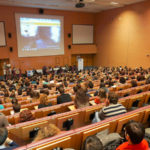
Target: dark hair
x: 90, y: 84
x: 41, y: 91
x: 135, y: 131
x: 92, y: 143
x: 133, y: 83
x: 16, y: 108
x: 122, y: 80
x: 6, y: 93
x: 102, y: 93
x: 46, y: 92
x: 3, y: 135
x: 75, y: 89
x: 113, y: 98
x: 36, y: 94
x: 14, y: 101
x: 19, y: 91
x: 28, y: 91
x: 65, y: 84
x: 61, y: 90
x: 102, y: 84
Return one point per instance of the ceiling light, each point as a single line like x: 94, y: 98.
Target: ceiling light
x: 114, y: 3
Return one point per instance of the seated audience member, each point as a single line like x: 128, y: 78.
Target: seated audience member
x: 122, y: 80
x: 148, y: 80
x: 133, y: 83
x: 46, y: 132
x: 81, y: 99
x: 113, y: 107
x: 63, y: 98
x: 12, y: 95
x: 3, y: 121
x: 14, y: 101
x: 92, y: 143
x: 102, y: 96
x: 16, y: 107
x: 26, y: 115
x: 5, y: 142
x: 134, y: 134
x: 35, y: 96
x: 46, y: 92
x: 44, y: 101
x: 20, y: 91
x: 103, y: 86
x: 90, y: 86
x: 1, y: 104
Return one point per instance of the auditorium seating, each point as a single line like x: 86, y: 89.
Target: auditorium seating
x: 114, y: 124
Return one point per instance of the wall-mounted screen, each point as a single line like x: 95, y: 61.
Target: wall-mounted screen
x: 39, y: 35
x: 82, y: 34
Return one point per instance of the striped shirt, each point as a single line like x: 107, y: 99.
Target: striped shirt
x: 112, y: 110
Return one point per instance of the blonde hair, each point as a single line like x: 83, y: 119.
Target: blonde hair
x: 47, y: 131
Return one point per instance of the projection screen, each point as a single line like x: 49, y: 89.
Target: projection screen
x: 39, y: 35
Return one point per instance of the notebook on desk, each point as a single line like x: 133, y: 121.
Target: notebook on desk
x: 71, y: 107
x: 92, y: 103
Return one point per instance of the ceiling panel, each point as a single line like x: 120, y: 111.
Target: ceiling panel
x: 90, y: 5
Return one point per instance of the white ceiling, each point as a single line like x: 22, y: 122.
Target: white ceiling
x: 90, y: 5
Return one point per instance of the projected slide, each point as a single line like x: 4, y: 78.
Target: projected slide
x: 39, y: 35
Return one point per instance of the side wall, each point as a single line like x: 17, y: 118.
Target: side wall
x: 7, y: 14
x: 123, y: 36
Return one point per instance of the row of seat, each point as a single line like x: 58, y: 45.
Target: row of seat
x: 80, y: 117
x: 134, y: 100
x: 75, y: 138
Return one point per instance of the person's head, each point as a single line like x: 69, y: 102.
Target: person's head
x: 44, y: 99
x: 102, y: 84
x: 19, y: 91
x: 26, y: 115
x: 14, y: 101
x: 75, y: 89
x: 16, y: 108
x: 81, y: 99
x: 133, y: 83
x: 90, y: 85
x: 61, y: 90
x: 36, y: 95
x: 47, y: 131
x: 122, y: 80
x: 3, y: 135
x: 46, y: 92
x: 3, y: 121
x: 102, y: 93
x: 134, y: 132
x: 6, y: 93
x: 65, y: 84
x: 28, y: 91
x: 113, y: 98
x: 92, y: 143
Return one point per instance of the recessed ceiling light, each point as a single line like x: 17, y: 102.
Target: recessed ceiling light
x: 114, y: 3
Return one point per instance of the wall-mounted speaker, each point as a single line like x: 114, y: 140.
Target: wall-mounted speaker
x: 69, y: 35
x: 11, y: 49
x: 69, y: 46
x: 9, y: 35
x: 41, y: 11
